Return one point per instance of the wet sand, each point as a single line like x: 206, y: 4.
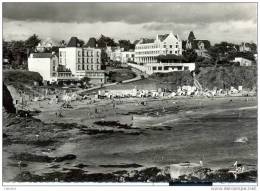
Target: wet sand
x: 160, y: 133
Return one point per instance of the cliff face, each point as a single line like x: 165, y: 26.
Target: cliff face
x: 8, y: 100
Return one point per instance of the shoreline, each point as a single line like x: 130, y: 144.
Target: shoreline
x: 121, y: 124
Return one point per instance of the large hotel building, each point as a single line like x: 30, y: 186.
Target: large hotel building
x: 147, y: 50
x: 82, y: 61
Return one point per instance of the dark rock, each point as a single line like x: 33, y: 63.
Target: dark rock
x: 81, y: 165
x: 115, y: 124
x: 121, y: 166
x: 8, y: 100
x: 55, y: 166
x: 66, y: 157
x: 41, y: 158
x: 32, y: 158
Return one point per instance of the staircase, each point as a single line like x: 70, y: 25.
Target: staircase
x: 197, y: 84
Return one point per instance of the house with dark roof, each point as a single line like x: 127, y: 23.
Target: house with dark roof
x: 147, y: 50
x: 200, y: 46
x: 83, y: 61
x: 74, y: 42
x: 92, y: 43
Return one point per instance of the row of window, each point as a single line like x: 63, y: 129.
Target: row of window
x: 61, y: 74
x: 168, y: 67
x: 88, y: 53
x: 146, y: 47
x: 95, y: 74
x: 88, y: 60
x: 84, y: 53
x: 88, y: 67
x: 147, y: 52
x: 170, y: 46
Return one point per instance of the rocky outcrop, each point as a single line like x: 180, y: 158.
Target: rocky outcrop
x: 8, y: 100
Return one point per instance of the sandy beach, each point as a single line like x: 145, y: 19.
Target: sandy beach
x: 127, y: 134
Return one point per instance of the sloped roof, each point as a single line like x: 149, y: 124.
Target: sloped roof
x: 147, y: 40
x: 163, y: 37
x: 92, y: 42
x: 195, y: 44
x: 41, y: 55
x: 191, y: 36
x: 74, y: 42
x: 136, y: 42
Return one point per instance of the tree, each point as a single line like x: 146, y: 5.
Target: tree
x: 32, y: 42
x: 126, y: 44
x: 85, y: 81
x: 81, y: 42
x: 104, y: 41
x: 63, y: 43
x: 190, y: 55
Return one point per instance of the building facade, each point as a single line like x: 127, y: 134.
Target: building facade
x: 47, y: 65
x: 200, y: 46
x: 127, y: 56
x: 163, y: 67
x: 243, y: 61
x: 147, y: 50
x: 82, y: 61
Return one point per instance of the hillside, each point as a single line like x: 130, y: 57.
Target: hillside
x: 21, y: 80
x: 225, y: 77
x: 168, y: 80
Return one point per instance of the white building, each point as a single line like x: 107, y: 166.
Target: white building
x: 127, y: 56
x: 146, y: 50
x: 82, y: 61
x: 44, y: 63
x: 243, y: 61
x: 163, y: 67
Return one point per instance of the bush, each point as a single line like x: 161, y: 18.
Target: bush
x: 225, y: 77
x: 21, y: 76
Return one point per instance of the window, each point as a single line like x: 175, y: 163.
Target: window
x: 166, y: 68
x: 83, y: 67
x: 159, y: 67
x: 97, y: 60
x: 97, y: 67
x: 78, y: 60
x: 176, y: 46
x: 170, y: 46
x: 78, y: 67
x: 60, y: 54
x: 87, y: 67
x: 79, y: 53
x: 91, y: 67
x: 154, y: 68
x: 91, y: 60
x: 186, y: 68
x: 170, y: 52
x: 53, y: 68
x: 164, y: 46
x: 175, y: 52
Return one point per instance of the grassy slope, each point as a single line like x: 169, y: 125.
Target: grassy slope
x: 21, y: 80
x: 155, y: 81
x: 225, y: 77
x: 119, y: 75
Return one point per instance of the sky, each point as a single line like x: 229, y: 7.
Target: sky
x: 232, y: 22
